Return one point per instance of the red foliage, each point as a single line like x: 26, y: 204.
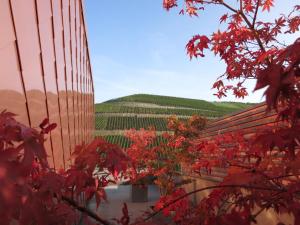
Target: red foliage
x: 262, y: 172
x: 179, y: 208
x: 196, y: 46
x: 32, y: 193
x: 247, y: 45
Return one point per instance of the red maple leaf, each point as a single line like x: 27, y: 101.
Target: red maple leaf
x: 268, y: 4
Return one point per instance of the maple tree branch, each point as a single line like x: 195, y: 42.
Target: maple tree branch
x: 228, y: 7
x: 241, y: 6
x: 255, y: 14
x: 284, y: 176
x: 259, y: 212
x: 209, y: 188
x: 270, y: 202
x: 85, y: 210
x: 260, y: 44
x: 297, y: 141
x: 251, y: 27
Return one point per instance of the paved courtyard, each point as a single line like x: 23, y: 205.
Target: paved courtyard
x: 119, y: 194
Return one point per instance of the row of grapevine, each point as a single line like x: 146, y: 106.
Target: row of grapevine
x: 125, y: 142
x: 125, y: 123
x: 100, y: 122
x: 119, y: 140
x: 115, y: 108
x: 159, y: 140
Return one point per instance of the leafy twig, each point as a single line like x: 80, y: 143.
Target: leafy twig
x: 85, y: 210
x: 208, y: 188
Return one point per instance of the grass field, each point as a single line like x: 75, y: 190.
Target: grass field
x: 141, y: 111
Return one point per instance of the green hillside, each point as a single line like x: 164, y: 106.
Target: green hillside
x: 165, y: 101
x: 142, y: 110
x: 156, y: 104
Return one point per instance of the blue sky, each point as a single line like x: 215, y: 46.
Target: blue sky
x: 138, y: 47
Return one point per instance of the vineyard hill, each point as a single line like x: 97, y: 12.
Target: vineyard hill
x: 115, y: 116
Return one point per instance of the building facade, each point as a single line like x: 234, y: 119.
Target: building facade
x: 45, y: 71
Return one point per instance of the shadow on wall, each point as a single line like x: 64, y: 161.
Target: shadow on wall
x: 74, y: 126
x: 269, y: 217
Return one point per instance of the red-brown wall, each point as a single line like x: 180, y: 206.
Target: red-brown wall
x: 45, y: 71
x: 248, y: 121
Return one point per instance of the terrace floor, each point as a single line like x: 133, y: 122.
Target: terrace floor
x: 119, y: 194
